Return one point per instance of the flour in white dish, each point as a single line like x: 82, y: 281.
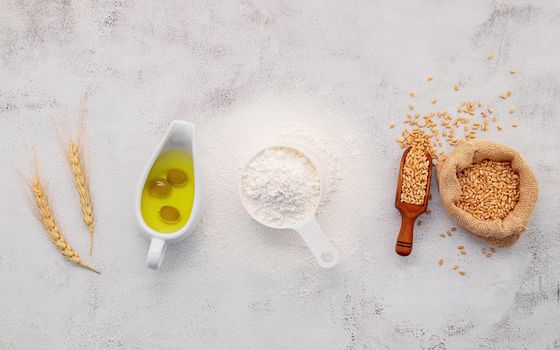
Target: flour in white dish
x: 280, y: 187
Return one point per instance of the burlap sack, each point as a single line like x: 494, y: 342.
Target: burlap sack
x: 501, y: 233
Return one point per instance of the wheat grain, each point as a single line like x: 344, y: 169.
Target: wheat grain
x: 448, y: 127
x: 415, y: 168
x: 46, y: 216
x: 489, y: 190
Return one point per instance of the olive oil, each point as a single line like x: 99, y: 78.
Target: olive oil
x: 168, y: 194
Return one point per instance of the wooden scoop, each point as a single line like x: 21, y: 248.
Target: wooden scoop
x: 409, y: 212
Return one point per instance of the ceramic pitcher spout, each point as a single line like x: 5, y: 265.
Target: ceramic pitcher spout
x: 180, y: 135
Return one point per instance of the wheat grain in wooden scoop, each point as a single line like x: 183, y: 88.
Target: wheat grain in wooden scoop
x: 45, y: 215
x: 74, y: 151
x: 413, y: 187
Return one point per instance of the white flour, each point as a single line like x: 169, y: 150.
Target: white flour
x: 280, y: 187
x: 324, y: 149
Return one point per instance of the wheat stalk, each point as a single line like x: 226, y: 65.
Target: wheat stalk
x: 46, y: 216
x: 81, y: 184
x: 75, y: 155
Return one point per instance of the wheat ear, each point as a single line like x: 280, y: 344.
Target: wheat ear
x: 76, y: 162
x: 46, y: 216
x: 75, y: 155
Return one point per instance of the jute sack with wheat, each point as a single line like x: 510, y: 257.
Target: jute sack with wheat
x: 499, y: 232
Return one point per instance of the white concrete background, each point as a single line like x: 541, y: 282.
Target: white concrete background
x: 244, y: 72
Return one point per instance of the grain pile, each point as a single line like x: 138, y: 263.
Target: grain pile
x: 489, y: 190
x: 415, y: 177
x: 416, y: 166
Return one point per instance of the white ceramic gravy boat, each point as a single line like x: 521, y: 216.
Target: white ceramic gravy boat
x: 180, y: 135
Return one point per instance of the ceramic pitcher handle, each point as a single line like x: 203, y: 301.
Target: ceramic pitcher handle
x: 323, y: 250
x: 155, y: 253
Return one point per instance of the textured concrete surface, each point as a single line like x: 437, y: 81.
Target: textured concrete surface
x: 247, y: 72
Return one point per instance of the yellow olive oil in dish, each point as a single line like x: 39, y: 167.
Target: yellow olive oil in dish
x: 168, y: 194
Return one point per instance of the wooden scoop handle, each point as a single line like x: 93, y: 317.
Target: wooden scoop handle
x: 405, y: 237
